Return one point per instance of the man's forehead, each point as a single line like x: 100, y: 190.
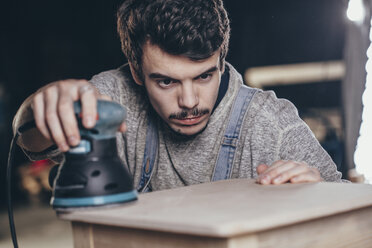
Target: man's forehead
x: 156, y: 60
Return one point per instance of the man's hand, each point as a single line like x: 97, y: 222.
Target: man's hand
x: 283, y: 171
x: 52, y: 108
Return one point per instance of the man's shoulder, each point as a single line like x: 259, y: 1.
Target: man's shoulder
x: 267, y: 108
x: 121, y: 74
x: 118, y: 84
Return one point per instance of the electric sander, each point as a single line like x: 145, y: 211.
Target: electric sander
x: 92, y: 173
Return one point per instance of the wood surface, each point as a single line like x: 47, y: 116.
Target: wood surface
x: 231, y: 208
x: 349, y: 230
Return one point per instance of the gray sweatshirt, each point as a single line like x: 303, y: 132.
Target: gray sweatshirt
x: 271, y: 131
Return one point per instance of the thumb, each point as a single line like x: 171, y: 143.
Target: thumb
x: 262, y: 168
x: 123, y: 127
x: 104, y: 97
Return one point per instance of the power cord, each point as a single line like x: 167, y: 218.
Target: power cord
x: 20, y: 130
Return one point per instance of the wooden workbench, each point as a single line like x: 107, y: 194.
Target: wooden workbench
x: 233, y: 213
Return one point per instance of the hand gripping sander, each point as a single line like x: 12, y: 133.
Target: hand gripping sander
x: 92, y: 173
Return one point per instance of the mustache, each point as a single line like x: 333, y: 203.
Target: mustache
x: 196, y: 112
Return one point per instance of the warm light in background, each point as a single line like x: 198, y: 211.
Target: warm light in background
x: 362, y: 155
x: 355, y: 11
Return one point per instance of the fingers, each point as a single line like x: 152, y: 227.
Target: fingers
x: 272, y: 169
x: 105, y: 97
x: 52, y: 118
x: 271, y: 172
x: 261, y: 168
x: 37, y: 106
x: 123, y: 127
x: 67, y: 118
x: 310, y: 176
x: 54, y: 113
x: 288, y: 171
x: 88, y: 97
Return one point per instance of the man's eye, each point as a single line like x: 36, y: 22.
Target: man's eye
x: 165, y: 82
x: 205, y: 77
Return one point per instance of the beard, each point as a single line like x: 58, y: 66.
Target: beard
x: 180, y: 135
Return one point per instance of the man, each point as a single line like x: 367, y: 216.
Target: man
x: 184, y: 103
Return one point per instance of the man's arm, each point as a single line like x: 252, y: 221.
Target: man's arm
x: 294, y: 153
x: 303, y: 160
x: 31, y: 140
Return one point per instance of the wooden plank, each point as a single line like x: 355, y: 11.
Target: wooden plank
x: 82, y: 235
x: 349, y: 230
x: 346, y: 230
x: 117, y: 237
x: 230, y: 208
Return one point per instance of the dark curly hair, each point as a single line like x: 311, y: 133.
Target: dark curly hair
x: 192, y: 28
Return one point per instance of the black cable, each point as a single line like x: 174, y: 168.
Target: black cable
x: 9, y: 191
x: 20, y: 130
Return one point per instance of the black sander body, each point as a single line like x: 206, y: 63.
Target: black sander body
x: 92, y: 173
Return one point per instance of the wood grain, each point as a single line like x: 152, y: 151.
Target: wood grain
x: 230, y: 208
x: 83, y: 235
x: 348, y: 230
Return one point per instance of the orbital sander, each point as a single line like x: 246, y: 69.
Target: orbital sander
x: 92, y: 173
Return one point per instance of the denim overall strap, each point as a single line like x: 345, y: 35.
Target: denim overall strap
x: 224, y: 163
x: 151, y: 148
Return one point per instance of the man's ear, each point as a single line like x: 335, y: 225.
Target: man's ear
x: 135, y: 76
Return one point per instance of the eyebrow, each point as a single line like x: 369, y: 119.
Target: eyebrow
x: 159, y: 75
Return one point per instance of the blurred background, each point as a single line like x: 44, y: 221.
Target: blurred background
x: 314, y: 53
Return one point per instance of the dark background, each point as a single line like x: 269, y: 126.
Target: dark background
x: 43, y: 41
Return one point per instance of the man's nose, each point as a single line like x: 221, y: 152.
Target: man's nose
x: 188, y: 98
